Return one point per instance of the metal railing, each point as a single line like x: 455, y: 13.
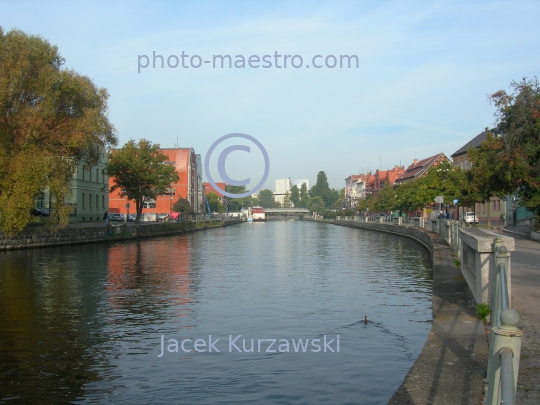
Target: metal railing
x: 505, y: 337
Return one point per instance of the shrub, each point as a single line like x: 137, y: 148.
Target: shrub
x: 483, y: 311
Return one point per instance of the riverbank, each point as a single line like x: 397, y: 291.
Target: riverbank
x: 95, y: 232
x: 451, y: 367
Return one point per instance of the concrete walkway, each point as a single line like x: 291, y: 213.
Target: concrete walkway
x: 525, y: 263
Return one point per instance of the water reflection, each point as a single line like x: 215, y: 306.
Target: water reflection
x: 83, y: 323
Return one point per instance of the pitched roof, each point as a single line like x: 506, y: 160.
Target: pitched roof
x: 476, y: 141
x: 419, y: 168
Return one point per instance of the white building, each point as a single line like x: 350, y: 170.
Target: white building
x: 284, y: 185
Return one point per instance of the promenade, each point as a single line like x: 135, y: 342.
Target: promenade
x: 526, y: 300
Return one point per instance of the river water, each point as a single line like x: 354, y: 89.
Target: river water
x: 85, y: 324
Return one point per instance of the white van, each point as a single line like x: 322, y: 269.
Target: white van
x: 468, y: 218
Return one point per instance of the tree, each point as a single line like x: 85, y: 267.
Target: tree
x: 287, y: 200
x: 51, y: 119
x: 213, y: 202
x: 486, y: 176
x: 266, y: 198
x: 295, y: 195
x: 339, y: 202
x: 139, y: 172
x: 518, y: 116
x: 316, y: 204
x: 304, y: 196
x: 386, y: 198
x: 182, y: 205
x: 322, y: 189
x: 235, y: 204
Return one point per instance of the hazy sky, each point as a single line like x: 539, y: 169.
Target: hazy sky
x: 425, y: 70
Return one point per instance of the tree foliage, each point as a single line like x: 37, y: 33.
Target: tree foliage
x: 139, y: 172
x: 316, y: 204
x: 50, y: 120
x: 304, y: 196
x: 518, y: 116
x: 266, y: 198
x: 295, y: 195
x: 182, y: 205
x: 236, y: 204
x: 214, y: 203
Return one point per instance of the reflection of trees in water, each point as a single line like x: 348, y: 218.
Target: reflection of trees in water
x: 149, y: 279
x: 46, y: 337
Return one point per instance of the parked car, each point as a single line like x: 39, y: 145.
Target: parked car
x: 468, y: 218
x: 116, y: 217
x: 163, y: 217
x: 131, y: 218
x: 40, y: 212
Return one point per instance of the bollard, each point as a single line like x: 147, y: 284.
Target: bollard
x: 507, y: 338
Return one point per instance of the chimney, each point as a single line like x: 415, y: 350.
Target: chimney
x: 415, y: 161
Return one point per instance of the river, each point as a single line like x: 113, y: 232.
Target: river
x: 85, y: 324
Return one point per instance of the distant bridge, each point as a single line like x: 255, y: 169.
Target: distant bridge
x: 286, y: 211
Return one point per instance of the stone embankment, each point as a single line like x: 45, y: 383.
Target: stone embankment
x: 34, y: 237
x: 451, y: 367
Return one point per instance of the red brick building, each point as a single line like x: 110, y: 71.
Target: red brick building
x: 190, y: 186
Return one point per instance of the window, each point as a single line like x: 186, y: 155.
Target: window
x: 97, y: 177
x: 97, y: 201
x: 41, y: 199
x: 83, y: 198
x: 102, y: 201
x: 83, y: 169
x: 90, y: 199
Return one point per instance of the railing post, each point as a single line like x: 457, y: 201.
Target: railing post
x: 506, y: 338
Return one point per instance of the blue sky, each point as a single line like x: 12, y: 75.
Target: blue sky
x: 425, y: 70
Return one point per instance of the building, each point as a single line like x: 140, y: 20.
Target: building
x: 189, y: 186
x: 348, y: 189
x: 209, y: 189
x: 460, y: 158
x: 283, y: 186
x: 358, y: 190
x: 420, y: 168
x: 89, y: 196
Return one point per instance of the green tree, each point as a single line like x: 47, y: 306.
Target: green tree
x: 518, y: 115
x: 266, y: 198
x: 316, y: 204
x: 182, y: 205
x: 213, y: 202
x: 486, y: 176
x: 139, y: 172
x: 322, y: 189
x: 304, y: 196
x: 50, y: 120
x: 339, y: 203
x: 255, y: 202
x: 236, y: 204
x: 386, y: 198
x: 287, y: 200
x: 295, y: 195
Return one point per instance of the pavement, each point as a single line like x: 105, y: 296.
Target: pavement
x: 525, y: 262
x: 525, y: 279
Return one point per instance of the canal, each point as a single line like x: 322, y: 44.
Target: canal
x: 85, y: 324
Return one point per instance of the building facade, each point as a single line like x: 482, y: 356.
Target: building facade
x: 497, y: 206
x: 189, y: 186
